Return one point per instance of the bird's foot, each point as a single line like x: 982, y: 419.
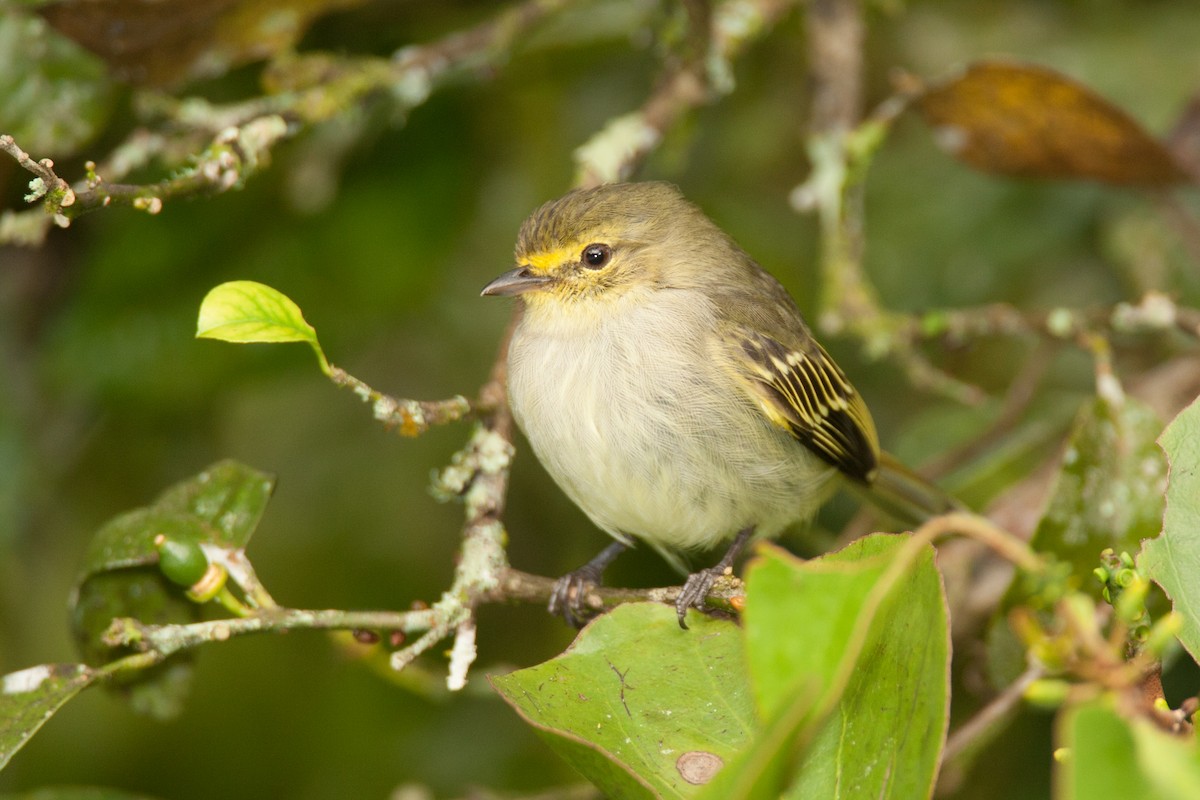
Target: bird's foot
x: 695, y: 591
x: 568, y: 597
x: 698, y: 584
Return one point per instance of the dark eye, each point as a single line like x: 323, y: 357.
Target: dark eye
x: 596, y: 255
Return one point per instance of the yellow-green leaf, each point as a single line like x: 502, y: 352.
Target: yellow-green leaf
x: 247, y: 311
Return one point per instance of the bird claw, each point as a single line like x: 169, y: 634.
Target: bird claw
x: 695, y: 592
x: 568, y: 598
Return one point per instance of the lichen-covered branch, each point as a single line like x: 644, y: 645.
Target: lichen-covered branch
x: 1155, y: 312
x: 166, y: 640
x: 213, y: 148
x: 407, y: 417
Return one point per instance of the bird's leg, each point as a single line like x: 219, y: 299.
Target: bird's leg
x: 697, y: 585
x: 567, y: 596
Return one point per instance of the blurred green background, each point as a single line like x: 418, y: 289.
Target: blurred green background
x: 106, y: 398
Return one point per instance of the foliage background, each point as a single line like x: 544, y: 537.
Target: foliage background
x: 106, y: 398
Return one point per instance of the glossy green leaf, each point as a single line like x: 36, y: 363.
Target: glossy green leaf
x: 30, y: 697
x: 246, y: 311
x: 1173, y: 558
x: 849, y: 663
x: 639, y: 706
x: 219, y: 507
x: 885, y: 737
x: 1109, y: 491
x: 1110, y: 758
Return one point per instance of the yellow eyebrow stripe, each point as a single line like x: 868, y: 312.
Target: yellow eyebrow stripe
x: 547, y: 260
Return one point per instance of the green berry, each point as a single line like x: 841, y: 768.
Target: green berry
x: 183, y: 563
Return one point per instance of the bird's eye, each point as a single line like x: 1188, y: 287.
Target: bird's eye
x: 596, y: 255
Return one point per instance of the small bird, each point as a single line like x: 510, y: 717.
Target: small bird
x: 672, y: 389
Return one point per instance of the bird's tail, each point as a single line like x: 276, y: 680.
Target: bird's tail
x: 904, y: 494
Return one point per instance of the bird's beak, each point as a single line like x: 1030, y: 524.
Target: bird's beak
x: 514, y: 282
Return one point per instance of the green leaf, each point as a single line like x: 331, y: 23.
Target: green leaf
x: 1172, y: 560
x: 246, y: 311
x: 1099, y: 758
x: 1110, y: 758
x: 221, y: 506
x: 849, y: 661
x: 218, y: 509
x: 640, y: 707
x: 30, y: 697
x: 1109, y: 491
x: 1171, y: 764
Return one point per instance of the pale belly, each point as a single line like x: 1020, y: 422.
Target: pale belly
x: 648, y: 448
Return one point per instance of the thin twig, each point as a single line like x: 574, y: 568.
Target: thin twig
x: 982, y: 530
x: 242, y: 135
x: 407, y: 417
x: 1021, y: 393
x: 990, y: 715
x: 165, y: 640
x: 701, y: 74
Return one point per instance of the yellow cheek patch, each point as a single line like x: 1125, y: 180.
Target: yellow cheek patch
x: 549, y: 260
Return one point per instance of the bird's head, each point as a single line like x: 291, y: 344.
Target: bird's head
x: 598, y: 244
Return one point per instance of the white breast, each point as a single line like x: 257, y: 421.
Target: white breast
x: 645, y: 442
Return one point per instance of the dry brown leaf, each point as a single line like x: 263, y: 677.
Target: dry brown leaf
x: 167, y: 42
x: 1026, y: 120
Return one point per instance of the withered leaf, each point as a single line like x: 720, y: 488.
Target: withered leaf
x: 168, y: 42
x: 1026, y: 120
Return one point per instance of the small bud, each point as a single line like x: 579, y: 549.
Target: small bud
x: 1162, y: 634
x: 1047, y: 693
x: 1081, y: 611
x: 1131, y: 605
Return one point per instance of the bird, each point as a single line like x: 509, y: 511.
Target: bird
x: 672, y: 389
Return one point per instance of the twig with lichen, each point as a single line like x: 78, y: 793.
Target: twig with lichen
x: 407, y: 417
x: 241, y: 136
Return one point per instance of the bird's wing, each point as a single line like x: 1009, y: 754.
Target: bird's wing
x: 803, y: 391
